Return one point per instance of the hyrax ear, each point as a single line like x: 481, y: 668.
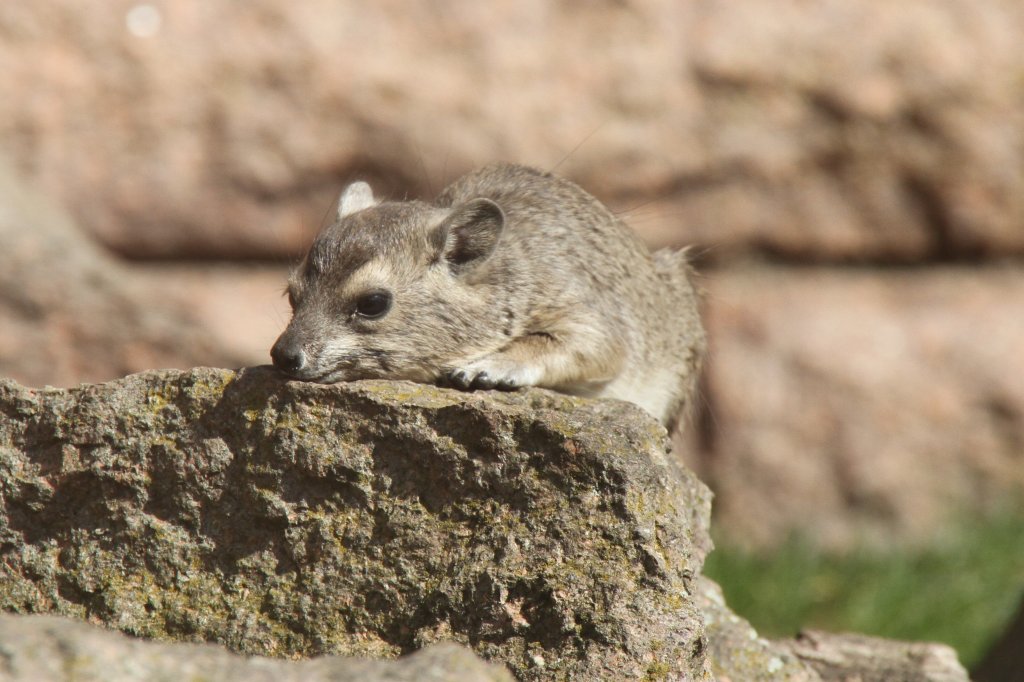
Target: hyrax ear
x: 470, y: 233
x: 356, y: 197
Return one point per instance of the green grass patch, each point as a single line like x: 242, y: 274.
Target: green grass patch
x: 961, y: 592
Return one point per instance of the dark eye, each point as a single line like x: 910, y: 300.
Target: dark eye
x: 291, y: 299
x: 373, y: 305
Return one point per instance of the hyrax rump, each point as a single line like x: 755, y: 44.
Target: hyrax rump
x: 512, y: 277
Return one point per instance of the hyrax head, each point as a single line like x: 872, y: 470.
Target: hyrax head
x: 391, y: 290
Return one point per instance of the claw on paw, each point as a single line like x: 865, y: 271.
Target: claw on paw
x: 459, y: 378
x: 483, y: 380
x: 470, y: 379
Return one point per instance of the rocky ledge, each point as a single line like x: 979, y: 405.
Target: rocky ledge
x: 553, y: 535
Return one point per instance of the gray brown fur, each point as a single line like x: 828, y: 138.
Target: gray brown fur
x: 512, y: 277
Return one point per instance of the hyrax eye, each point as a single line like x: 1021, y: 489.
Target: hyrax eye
x: 373, y: 305
x: 292, y: 301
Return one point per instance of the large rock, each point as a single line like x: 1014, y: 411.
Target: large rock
x: 51, y: 649
x: 365, y: 519
x: 69, y: 312
x: 552, y: 534
x: 851, y: 130
x: 870, y: 405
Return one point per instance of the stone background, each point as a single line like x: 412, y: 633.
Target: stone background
x: 851, y: 172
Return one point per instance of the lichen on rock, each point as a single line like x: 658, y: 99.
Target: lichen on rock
x: 552, y: 534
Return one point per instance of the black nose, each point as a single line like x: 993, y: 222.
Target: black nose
x: 287, y: 357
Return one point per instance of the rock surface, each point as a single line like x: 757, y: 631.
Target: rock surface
x: 858, y: 406
x: 856, y: 129
x: 859, y: 658
x: 366, y: 519
x: 69, y: 312
x: 738, y: 653
x: 552, y: 534
x: 51, y: 649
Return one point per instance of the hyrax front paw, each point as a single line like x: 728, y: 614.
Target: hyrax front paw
x: 491, y: 372
x: 467, y: 381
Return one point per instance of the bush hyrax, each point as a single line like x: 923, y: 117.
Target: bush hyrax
x: 512, y: 277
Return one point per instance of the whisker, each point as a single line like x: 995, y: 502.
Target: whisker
x: 578, y: 145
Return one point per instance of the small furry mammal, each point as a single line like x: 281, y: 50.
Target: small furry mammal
x: 512, y: 277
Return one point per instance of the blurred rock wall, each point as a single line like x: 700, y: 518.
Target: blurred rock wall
x: 850, y: 170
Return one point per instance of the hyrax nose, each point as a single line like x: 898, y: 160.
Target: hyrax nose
x: 287, y: 357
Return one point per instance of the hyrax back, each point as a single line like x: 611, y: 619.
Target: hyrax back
x: 512, y: 277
